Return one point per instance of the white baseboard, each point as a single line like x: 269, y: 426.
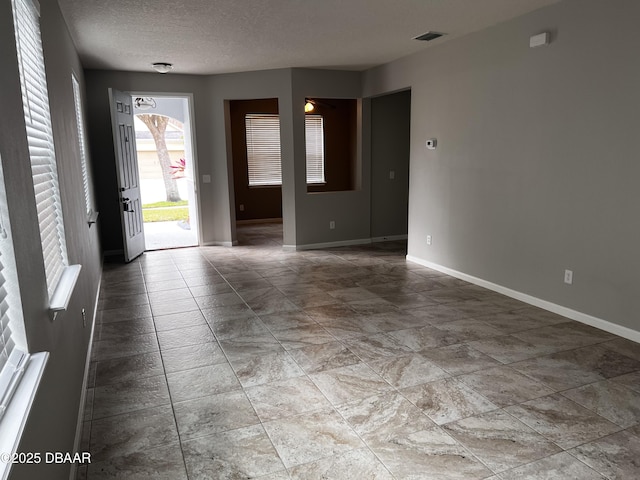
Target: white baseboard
x: 587, y: 319
x: 85, y: 381
x: 220, y: 244
x: 341, y: 243
x: 389, y: 238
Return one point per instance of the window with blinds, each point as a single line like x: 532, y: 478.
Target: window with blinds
x: 263, y: 149
x: 314, y: 137
x: 13, y: 355
x: 77, y: 98
x: 37, y: 116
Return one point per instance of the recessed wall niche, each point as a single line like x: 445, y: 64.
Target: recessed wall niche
x: 340, y: 127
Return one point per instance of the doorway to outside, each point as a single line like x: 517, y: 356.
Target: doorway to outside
x: 167, y: 171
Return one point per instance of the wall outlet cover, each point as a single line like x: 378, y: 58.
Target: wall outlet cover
x: 568, y: 277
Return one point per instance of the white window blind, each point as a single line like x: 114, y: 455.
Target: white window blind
x: 35, y: 101
x: 82, y: 143
x: 263, y: 149
x: 314, y: 137
x: 13, y: 356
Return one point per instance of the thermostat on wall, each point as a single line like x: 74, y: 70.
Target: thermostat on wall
x: 539, y: 40
x: 432, y: 143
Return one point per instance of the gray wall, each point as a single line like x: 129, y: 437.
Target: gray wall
x: 349, y: 209
x: 390, y: 139
x: 52, y: 423
x: 537, y: 165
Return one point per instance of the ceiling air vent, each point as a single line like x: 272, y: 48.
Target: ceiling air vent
x: 427, y: 37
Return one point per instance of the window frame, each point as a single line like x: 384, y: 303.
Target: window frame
x: 315, y: 149
x: 264, y: 160
x: 261, y: 175
x: 21, y: 371
x: 60, y: 276
x: 82, y: 145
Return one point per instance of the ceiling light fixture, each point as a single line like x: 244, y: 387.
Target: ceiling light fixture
x: 162, y: 67
x: 308, y: 106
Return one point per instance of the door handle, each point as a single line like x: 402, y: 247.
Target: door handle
x: 125, y: 205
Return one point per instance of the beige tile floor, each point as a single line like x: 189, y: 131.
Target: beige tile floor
x: 251, y: 362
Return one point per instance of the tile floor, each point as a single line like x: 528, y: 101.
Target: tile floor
x: 250, y: 362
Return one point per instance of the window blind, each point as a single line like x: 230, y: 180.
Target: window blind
x: 35, y: 101
x: 13, y: 356
x: 82, y: 143
x: 263, y: 149
x: 12, y: 359
x: 314, y: 138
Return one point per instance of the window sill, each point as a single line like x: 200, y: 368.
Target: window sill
x: 15, y: 417
x: 64, y: 289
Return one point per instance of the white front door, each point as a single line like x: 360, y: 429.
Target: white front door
x: 124, y: 138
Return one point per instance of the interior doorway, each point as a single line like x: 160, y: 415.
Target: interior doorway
x: 390, y: 152
x: 254, y: 128
x: 164, y: 144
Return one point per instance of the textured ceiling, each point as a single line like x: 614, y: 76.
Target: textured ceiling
x: 220, y: 36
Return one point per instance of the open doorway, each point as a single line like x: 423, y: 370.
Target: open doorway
x: 257, y: 171
x: 163, y: 128
x: 390, y: 142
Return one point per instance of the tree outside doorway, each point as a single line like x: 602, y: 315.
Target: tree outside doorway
x: 157, y: 125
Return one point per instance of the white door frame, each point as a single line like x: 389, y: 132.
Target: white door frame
x: 192, y: 138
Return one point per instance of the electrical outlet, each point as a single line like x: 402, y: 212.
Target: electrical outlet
x: 428, y: 239
x: 332, y: 225
x: 242, y: 207
x: 392, y: 174
x: 84, y: 318
x: 568, y: 277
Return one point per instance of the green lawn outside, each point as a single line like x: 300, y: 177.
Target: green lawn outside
x: 181, y: 203
x: 165, y: 211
